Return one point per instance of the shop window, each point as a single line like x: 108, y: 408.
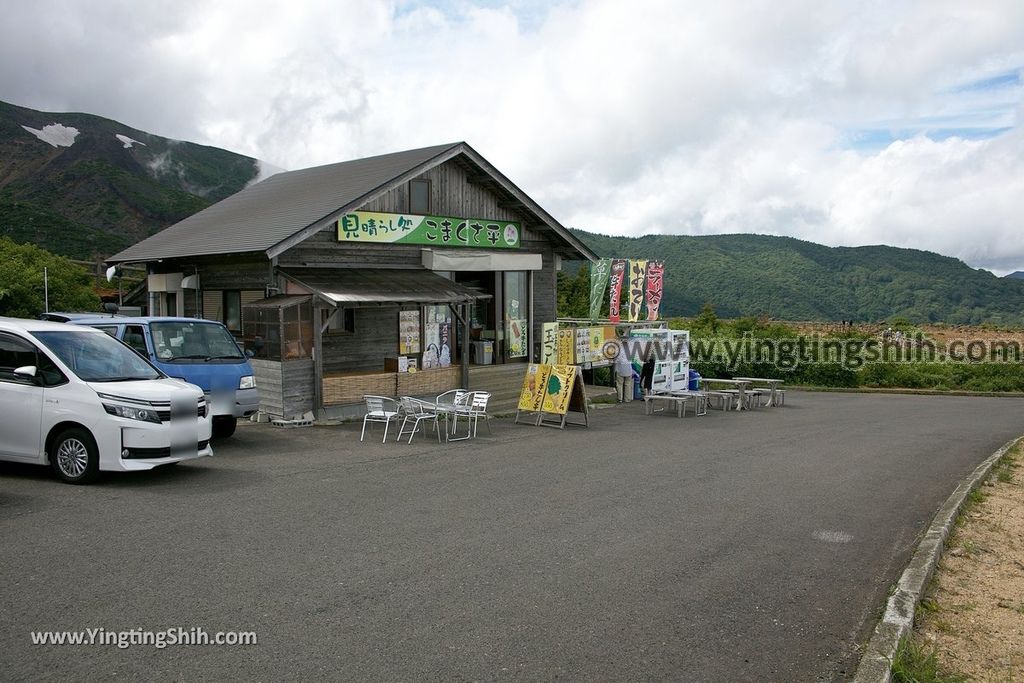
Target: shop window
x: 419, y: 196
x: 343, y: 322
x: 233, y: 310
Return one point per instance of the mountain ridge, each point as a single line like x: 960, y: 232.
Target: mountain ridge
x: 789, y: 278
x: 85, y: 186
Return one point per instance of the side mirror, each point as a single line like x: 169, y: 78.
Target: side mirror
x: 26, y: 372
x: 249, y: 353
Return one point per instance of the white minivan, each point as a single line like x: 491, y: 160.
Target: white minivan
x: 81, y: 401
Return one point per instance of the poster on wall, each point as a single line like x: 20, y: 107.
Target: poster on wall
x: 518, y: 339
x: 432, y: 346
x: 549, y: 343
x: 655, y: 282
x: 582, y: 345
x: 599, y: 273
x: 408, y: 332
x: 637, y: 277
x: 597, y: 342
x: 566, y: 346
x: 615, y: 281
x: 445, y: 347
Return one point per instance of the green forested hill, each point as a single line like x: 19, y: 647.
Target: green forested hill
x: 97, y: 196
x: 791, y: 279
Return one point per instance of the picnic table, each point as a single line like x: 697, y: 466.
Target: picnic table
x: 740, y: 384
x: 773, y: 386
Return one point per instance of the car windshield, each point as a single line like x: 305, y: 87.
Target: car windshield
x: 178, y: 340
x: 97, y: 357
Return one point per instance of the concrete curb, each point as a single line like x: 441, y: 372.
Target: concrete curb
x: 876, y: 662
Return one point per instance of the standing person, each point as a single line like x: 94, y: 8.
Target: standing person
x: 623, y: 373
x: 647, y: 374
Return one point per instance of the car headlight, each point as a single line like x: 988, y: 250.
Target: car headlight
x: 130, y: 413
x: 247, y: 382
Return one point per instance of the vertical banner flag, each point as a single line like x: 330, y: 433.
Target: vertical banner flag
x: 655, y: 282
x: 599, y: 273
x: 549, y: 346
x: 637, y: 273
x: 615, y: 288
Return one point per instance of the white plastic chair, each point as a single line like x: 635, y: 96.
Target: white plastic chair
x: 417, y: 411
x: 379, y: 409
x: 478, y: 408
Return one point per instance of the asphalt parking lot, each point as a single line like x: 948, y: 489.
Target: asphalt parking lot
x: 755, y: 546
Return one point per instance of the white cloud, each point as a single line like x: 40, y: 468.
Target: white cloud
x: 844, y: 123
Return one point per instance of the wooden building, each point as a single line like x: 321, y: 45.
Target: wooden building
x: 340, y: 278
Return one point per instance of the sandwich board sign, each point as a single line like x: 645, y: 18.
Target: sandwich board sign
x: 552, y: 391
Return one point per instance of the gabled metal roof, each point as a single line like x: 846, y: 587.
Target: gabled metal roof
x: 371, y: 286
x: 285, y: 209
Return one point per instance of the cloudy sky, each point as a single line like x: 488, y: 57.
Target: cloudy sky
x: 846, y: 123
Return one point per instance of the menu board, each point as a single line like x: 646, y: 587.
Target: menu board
x: 582, y: 345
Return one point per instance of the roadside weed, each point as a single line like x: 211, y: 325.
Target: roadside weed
x: 916, y: 663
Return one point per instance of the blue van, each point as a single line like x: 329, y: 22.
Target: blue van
x: 201, y: 352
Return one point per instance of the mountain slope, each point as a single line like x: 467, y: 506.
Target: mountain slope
x: 788, y: 278
x: 85, y: 186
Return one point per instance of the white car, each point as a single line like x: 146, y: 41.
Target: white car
x: 81, y: 401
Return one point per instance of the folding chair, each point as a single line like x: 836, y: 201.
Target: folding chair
x: 478, y: 408
x: 379, y: 409
x: 417, y: 411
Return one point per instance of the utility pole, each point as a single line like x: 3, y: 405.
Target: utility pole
x: 46, y: 291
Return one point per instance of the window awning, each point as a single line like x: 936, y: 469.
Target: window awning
x: 375, y: 286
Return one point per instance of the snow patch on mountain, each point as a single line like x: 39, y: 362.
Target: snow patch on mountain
x: 127, y: 141
x: 55, y: 134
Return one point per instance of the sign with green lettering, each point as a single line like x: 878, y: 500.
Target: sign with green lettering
x: 440, y: 231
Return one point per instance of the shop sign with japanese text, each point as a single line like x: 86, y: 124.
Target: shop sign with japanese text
x: 443, y: 231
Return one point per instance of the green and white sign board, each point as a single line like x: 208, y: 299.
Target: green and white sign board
x: 442, y: 231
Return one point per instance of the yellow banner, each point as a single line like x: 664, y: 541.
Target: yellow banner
x: 531, y: 397
x: 566, y: 346
x: 559, y: 389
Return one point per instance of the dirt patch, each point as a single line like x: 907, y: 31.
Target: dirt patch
x: 974, y: 610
